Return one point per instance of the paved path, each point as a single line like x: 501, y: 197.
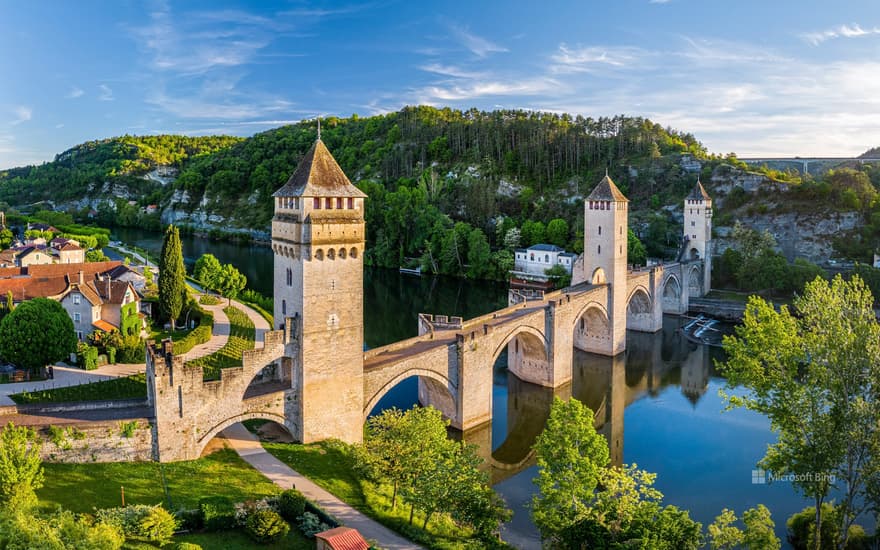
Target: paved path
x: 248, y: 446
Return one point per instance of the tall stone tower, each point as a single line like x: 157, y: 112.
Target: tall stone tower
x: 698, y: 230
x: 318, y: 240
x: 605, y: 254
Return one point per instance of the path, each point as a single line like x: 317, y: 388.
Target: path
x: 248, y: 446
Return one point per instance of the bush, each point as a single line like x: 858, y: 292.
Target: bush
x: 800, y: 529
x: 291, y: 504
x: 187, y: 546
x: 86, y: 356
x: 218, y: 513
x: 111, y: 354
x: 209, y: 300
x: 265, y: 525
x: 190, y: 519
x: 140, y: 522
x: 131, y: 350
x: 311, y: 525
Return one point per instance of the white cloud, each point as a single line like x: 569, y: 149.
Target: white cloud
x: 479, y: 46
x: 451, y: 70
x: 106, y: 93
x: 477, y: 89
x: 842, y: 31
x: 22, y: 114
x: 584, y: 59
x: 658, y: 1
x: 74, y: 93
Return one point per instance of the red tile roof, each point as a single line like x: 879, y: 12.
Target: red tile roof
x: 104, y: 325
x: 344, y: 538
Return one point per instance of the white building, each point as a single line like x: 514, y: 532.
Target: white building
x: 534, y: 261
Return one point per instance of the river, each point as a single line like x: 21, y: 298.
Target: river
x: 658, y: 403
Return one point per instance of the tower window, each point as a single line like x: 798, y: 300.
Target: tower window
x: 353, y: 252
x: 331, y: 254
x: 600, y: 229
x: 283, y: 307
x: 328, y: 203
x: 317, y: 205
x: 621, y: 230
x: 693, y: 224
x: 350, y: 203
x: 341, y: 253
x: 599, y: 251
x: 319, y: 254
x: 289, y: 277
x: 339, y: 203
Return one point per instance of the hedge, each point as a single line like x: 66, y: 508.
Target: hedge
x: 218, y: 513
x: 199, y: 335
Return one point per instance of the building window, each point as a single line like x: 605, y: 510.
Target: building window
x: 339, y: 203
x: 353, y: 253
x: 76, y: 317
x: 350, y: 203
x: 289, y: 277
x: 600, y: 229
x: 283, y: 307
x: 599, y: 251
x: 79, y: 335
x: 547, y: 258
x: 317, y: 205
x: 532, y: 257
x: 296, y: 203
x: 328, y: 203
x: 621, y: 230
x: 693, y: 224
x: 76, y: 299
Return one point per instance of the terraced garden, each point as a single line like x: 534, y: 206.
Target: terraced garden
x: 241, y: 338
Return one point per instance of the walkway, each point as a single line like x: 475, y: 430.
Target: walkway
x: 248, y: 446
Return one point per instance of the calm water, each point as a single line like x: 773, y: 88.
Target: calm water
x: 658, y: 403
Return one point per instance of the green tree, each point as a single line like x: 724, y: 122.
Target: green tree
x: 758, y: 533
x: 21, y: 470
x: 635, y: 250
x: 37, y: 332
x: 723, y: 535
x: 512, y: 238
x: 812, y: 375
x: 570, y: 456
x: 231, y: 281
x: 478, y: 255
x: 559, y: 275
x: 6, y: 238
x: 172, y: 276
x: 533, y: 233
x: 96, y: 255
x: 557, y: 232
x: 208, y: 271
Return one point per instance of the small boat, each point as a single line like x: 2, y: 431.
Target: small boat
x: 412, y: 271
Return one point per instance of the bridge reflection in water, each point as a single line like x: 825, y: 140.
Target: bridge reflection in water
x: 607, y: 385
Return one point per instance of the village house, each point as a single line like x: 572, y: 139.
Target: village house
x: 531, y: 265
x: 39, y: 252
x: 88, y: 292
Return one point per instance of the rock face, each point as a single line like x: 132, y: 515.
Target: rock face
x: 798, y: 234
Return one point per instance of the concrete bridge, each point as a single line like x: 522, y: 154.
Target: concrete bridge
x: 312, y: 375
x: 805, y: 162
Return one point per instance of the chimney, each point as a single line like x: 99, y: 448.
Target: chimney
x: 107, y: 277
x: 81, y: 277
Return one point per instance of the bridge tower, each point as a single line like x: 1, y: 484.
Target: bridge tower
x: 698, y: 230
x: 605, y: 255
x: 318, y: 240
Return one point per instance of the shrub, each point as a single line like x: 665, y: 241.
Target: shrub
x: 111, y: 354
x: 218, y: 513
x: 311, y: 525
x: 190, y: 519
x: 140, y: 521
x: 187, y: 546
x: 291, y: 504
x: 131, y: 350
x: 127, y: 429
x: 87, y: 356
x: 209, y: 300
x: 265, y: 525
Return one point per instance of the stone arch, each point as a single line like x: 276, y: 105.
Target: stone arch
x: 353, y: 252
x: 640, y: 310
x: 447, y: 404
x: 527, y: 354
x: 695, y: 281
x: 319, y: 254
x: 341, y: 253
x: 695, y: 254
x: 671, y: 293
x: 592, y: 331
x: 598, y: 277
x: 220, y: 426
x: 331, y: 254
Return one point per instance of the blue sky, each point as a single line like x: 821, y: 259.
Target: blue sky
x: 767, y: 77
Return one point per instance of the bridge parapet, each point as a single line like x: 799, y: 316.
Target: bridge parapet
x: 429, y: 323
x: 520, y: 295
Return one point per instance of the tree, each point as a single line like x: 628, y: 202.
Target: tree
x: 21, y: 470
x: 208, y: 271
x: 512, y: 238
x: 533, y: 233
x: 635, y: 250
x: 723, y: 535
x: 758, y: 533
x: 6, y: 238
x: 570, y: 456
x: 96, y: 255
x: 559, y: 275
x: 478, y: 254
x: 231, y: 281
x: 172, y: 276
x: 813, y: 375
x: 557, y: 232
x: 37, y: 332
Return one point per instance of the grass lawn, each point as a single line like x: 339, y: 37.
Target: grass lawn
x: 82, y: 487
x: 117, y: 388
x: 209, y: 300
x: 230, y: 540
x: 241, y: 338
x: 331, y: 465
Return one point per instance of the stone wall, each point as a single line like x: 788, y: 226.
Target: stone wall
x: 129, y: 440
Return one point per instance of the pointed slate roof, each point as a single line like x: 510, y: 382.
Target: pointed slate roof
x: 607, y: 191
x: 699, y: 193
x: 319, y: 175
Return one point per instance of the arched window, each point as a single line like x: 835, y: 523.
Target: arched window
x: 599, y: 251
x: 353, y: 252
x: 547, y: 258
x: 319, y: 254
x: 283, y: 307
x: 331, y: 254
x: 341, y: 253
x: 600, y: 229
x: 289, y: 277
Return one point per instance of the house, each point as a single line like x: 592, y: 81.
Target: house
x: 341, y: 538
x: 38, y: 252
x: 531, y: 264
x: 124, y: 273
x: 87, y: 291
x: 151, y: 209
